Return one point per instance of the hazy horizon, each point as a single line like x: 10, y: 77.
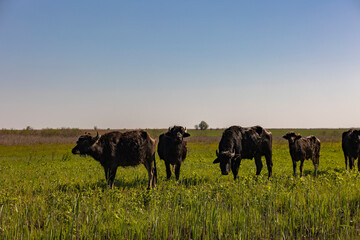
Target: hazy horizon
x: 188, y: 128
x: 126, y: 64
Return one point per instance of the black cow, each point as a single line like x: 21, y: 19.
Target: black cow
x: 172, y: 149
x: 244, y: 143
x: 116, y: 149
x: 351, y: 147
x: 302, y: 148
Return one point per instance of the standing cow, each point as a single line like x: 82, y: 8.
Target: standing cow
x: 351, y: 147
x: 172, y: 149
x: 302, y: 148
x: 244, y: 143
x: 116, y: 149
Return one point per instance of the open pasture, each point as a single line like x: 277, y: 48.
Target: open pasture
x: 48, y: 193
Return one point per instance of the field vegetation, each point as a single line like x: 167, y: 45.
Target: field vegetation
x: 48, y: 193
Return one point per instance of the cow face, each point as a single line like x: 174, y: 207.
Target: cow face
x: 84, y: 143
x: 292, y: 136
x: 355, y: 135
x: 224, y: 158
x: 177, y: 133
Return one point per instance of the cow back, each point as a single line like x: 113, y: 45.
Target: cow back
x: 256, y: 141
x: 134, y: 148
x: 231, y: 140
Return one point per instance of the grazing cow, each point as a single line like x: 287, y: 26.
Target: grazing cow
x: 116, y: 149
x: 351, y: 147
x: 244, y: 143
x: 302, y: 148
x: 172, y: 149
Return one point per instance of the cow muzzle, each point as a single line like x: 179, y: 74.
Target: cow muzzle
x: 75, y: 151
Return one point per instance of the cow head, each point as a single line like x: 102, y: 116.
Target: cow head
x: 292, y: 136
x: 224, y: 158
x: 355, y: 135
x: 84, y: 143
x: 177, y: 133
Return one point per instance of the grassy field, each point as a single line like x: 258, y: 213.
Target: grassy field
x: 48, y: 193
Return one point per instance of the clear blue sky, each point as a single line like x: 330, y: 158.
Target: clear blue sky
x: 153, y: 64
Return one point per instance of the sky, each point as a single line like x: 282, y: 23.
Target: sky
x: 155, y: 64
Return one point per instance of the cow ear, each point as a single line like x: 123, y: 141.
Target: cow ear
x: 298, y: 137
x: 186, y: 135
x: 285, y: 136
x: 216, y: 161
x: 168, y: 134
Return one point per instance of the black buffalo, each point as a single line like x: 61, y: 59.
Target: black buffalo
x: 302, y: 148
x: 116, y: 149
x: 172, y: 149
x: 351, y: 147
x: 244, y: 143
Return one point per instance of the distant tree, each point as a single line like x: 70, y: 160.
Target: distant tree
x: 203, y: 125
x: 197, y: 127
x: 28, y: 128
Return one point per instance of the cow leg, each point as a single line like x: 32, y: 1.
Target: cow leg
x: 107, y: 170
x: 269, y: 164
x: 316, y: 163
x: 148, y: 166
x: 351, y: 162
x: 294, y: 167
x: 235, y: 167
x: 168, y: 170
x: 154, y: 172
x: 110, y: 174
x: 112, y: 177
x: 259, y: 164
x: 177, y: 171
x: 301, y: 167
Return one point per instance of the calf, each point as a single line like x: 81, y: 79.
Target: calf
x: 172, y: 149
x: 351, y: 147
x: 302, y: 148
x: 116, y: 149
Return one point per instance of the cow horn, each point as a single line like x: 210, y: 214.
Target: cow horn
x: 97, y: 136
x: 185, y: 130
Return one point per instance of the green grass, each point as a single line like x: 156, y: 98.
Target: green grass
x: 48, y: 193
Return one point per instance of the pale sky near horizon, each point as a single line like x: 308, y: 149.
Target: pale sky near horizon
x: 153, y: 64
